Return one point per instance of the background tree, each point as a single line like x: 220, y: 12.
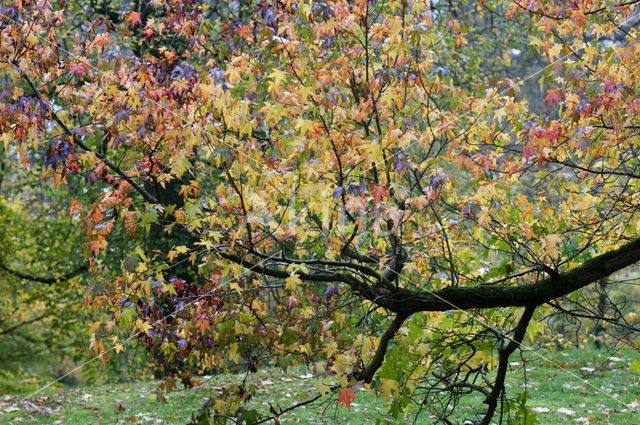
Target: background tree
x: 362, y: 189
x: 41, y: 312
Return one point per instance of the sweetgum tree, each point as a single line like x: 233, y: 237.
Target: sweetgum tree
x: 355, y: 186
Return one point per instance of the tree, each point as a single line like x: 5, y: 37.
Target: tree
x: 348, y: 197
x: 41, y: 289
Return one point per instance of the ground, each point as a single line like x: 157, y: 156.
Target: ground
x: 584, y: 386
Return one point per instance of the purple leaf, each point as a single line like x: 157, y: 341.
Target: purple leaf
x: 123, y: 114
x: 331, y: 291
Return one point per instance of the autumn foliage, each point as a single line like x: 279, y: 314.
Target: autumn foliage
x: 354, y: 186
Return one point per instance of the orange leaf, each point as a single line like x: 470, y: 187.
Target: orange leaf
x: 345, y: 396
x: 133, y: 18
x: 75, y: 206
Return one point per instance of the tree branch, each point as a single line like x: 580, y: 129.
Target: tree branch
x: 146, y: 195
x: 46, y: 280
x: 486, y: 296
x: 21, y: 324
x: 368, y: 372
x: 505, y: 352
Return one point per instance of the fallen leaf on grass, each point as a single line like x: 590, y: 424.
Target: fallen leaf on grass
x: 565, y: 411
x: 540, y: 409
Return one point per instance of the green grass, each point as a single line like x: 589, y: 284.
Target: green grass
x: 600, y: 388
x: 556, y: 396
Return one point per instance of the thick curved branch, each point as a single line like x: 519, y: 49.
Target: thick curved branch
x: 406, y: 302
x: 485, y: 296
x: 367, y: 373
x: 315, y: 261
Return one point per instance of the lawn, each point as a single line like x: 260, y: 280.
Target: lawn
x: 610, y: 396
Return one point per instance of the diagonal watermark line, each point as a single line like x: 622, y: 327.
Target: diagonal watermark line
x: 526, y: 348
x: 130, y: 338
x: 143, y: 96
x: 134, y: 335
x: 491, y: 99
x: 492, y: 328
x: 483, y: 103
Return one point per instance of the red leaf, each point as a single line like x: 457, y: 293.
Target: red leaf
x: 552, y: 95
x: 133, y: 18
x: 101, y: 39
x: 379, y: 192
x: 345, y: 396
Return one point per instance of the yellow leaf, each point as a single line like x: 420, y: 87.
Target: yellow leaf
x: 388, y: 385
x: 220, y: 405
x: 422, y: 348
x: 331, y: 348
x: 341, y: 363
x: 233, y: 351
x: 297, y: 268
x: 323, y: 388
x: 411, y: 267
x: 305, y: 126
x: 292, y: 282
x: 117, y: 347
x: 143, y: 326
x: 550, y: 245
x: 235, y: 286
x: 277, y: 76
x: 6, y: 139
